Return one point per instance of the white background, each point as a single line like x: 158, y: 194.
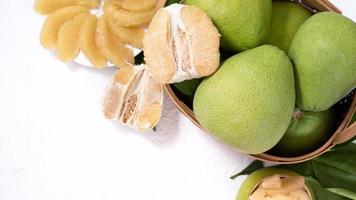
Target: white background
x: 55, y: 143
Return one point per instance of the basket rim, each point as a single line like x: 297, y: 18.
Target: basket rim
x: 264, y: 156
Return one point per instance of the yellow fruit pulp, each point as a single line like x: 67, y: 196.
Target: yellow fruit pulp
x: 111, y: 47
x: 48, y: 6
x: 68, y: 38
x: 133, y: 18
x: 88, y: 45
x: 128, y: 35
x: 138, y: 5
x: 54, y: 21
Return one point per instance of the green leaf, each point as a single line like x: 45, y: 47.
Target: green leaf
x: 139, y: 59
x: 169, y: 2
x: 255, y: 165
x: 321, y: 193
x: 337, y: 168
x: 343, y: 192
x: 305, y: 168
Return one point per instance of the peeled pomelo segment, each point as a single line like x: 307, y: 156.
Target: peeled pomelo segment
x: 128, y: 35
x: 157, y: 51
x: 111, y: 6
x: 134, y: 98
x: 111, y: 47
x: 54, y: 21
x: 133, y: 18
x: 87, y: 42
x: 68, y: 38
x: 48, y: 6
x: 149, y: 117
x: 138, y: 5
x: 204, y: 38
x: 125, y: 75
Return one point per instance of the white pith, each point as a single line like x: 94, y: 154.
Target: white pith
x: 177, y: 23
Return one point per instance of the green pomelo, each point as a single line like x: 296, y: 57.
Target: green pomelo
x: 286, y: 19
x: 324, y: 55
x: 307, y: 131
x: 243, y: 24
x: 248, y: 103
x: 256, y: 177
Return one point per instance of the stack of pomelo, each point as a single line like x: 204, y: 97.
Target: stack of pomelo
x: 289, y: 69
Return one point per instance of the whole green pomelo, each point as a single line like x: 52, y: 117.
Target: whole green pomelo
x: 307, y: 131
x: 248, y: 103
x: 286, y: 19
x: 324, y: 55
x: 243, y: 24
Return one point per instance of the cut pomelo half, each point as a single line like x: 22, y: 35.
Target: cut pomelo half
x: 111, y: 47
x: 274, y: 184
x: 88, y: 45
x: 181, y: 44
x: 68, y: 38
x: 48, y: 6
x: 128, y: 35
x: 54, y: 21
x: 134, y: 98
x: 138, y: 5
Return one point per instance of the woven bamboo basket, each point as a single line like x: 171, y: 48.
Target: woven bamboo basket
x: 347, y: 107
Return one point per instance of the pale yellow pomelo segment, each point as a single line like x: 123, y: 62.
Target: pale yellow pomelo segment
x: 149, y: 116
x: 54, y: 21
x: 111, y: 47
x: 124, y: 76
x: 48, y: 6
x: 158, y: 56
x: 134, y: 98
x: 133, y: 18
x: 87, y: 42
x: 138, y: 5
x: 205, y: 40
x: 111, y: 101
x: 111, y: 6
x: 128, y: 35
x: 68, y: 38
